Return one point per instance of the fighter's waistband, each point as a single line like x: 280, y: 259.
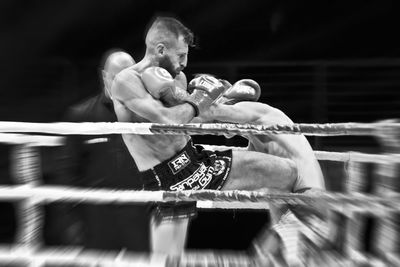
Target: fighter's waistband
x: 171, y: 166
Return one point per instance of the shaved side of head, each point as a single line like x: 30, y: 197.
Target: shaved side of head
x: 166, y: 31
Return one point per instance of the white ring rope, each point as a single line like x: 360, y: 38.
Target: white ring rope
x: 31, y: 140
x: 99, y: 128
x: 42, y: 140
x: 331, y: 155
x: 76, y: 255
x: 73, y: 255
x: 352, y: 202
x: 49, y: 194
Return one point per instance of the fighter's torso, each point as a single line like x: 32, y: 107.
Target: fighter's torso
x: 146, y: 150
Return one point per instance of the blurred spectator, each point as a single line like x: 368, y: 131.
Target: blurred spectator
x: 100, y: 161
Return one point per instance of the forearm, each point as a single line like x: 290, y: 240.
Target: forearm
x: 182, y: 113
x: 174, y: 96
x: 153, y: 110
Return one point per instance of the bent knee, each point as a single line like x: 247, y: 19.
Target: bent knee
x: 292, y: 174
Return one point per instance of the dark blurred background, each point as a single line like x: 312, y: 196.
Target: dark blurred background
x: 50, y: 51
x: 318, y: 61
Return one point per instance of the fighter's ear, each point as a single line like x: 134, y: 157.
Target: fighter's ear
x: 103, y: 74
x: 160, y: 49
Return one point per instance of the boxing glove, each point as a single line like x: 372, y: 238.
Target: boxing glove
x: 160, y: 84
x: 242, y: 90
x: 158, y: 81
x: 174, y: 96
x: 205, y: 90
x: 226, y: 83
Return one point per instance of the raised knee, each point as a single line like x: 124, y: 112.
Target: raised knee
x: 293, y: 175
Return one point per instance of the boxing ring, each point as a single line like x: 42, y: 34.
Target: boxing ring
x: 354, y: 205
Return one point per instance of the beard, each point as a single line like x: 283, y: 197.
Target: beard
x: 165, y: 62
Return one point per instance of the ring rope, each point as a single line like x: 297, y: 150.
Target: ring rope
x: 73, y: 255
x: 338, y: 201
x: 98, y: 128
x: 35, y: 140
x: 331, y: 155
x: 31, y: 140
x: 235, y: 205
x: 361, y: 202
x: 42, y: 140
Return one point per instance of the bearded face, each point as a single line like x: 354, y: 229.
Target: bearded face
x: 166, y: 63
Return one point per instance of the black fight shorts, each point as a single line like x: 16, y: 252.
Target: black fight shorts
x: 192, y: 168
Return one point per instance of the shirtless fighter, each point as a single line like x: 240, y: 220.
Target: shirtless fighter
x: 172, y: 162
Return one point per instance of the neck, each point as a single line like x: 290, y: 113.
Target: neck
x: 147, y: 61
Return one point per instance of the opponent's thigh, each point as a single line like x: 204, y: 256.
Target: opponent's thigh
x: 254, y: 170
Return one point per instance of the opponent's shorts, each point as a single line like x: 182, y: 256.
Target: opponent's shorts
x: 192, y: 168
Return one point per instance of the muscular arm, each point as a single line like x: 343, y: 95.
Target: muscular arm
x: 129, y: 90
x: 179, y: 94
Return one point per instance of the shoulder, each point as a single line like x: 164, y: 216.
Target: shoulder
x: 129, y: 75
x: 257, y: 107
x: 269, y: 114
x: 127, y: 83
x: 248, y: 111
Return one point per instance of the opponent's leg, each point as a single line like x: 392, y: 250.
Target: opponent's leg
x: 168, y: 237
x: 252, y: 170
x: 260, y: 171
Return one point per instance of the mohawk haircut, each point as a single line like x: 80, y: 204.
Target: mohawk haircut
x: 163, y: 27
